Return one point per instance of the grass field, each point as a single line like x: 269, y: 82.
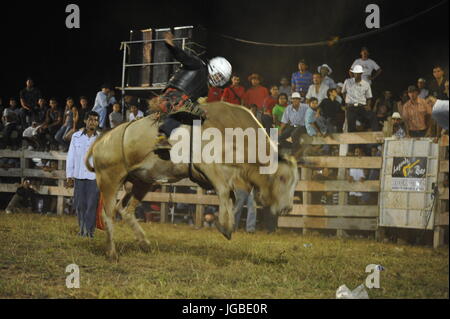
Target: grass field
x: 189, y: 263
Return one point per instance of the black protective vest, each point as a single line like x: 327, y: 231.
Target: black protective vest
x: 193, y: 83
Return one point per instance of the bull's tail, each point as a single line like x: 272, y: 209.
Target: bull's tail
x: 87, y: 161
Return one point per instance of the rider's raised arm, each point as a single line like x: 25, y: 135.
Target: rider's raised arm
x: 188, y: 61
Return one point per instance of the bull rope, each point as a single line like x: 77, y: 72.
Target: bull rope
x: 123, y: 148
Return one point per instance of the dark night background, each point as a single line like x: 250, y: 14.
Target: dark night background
x: 73, y: 62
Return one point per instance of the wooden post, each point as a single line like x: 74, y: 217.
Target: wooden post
x: 164, y: 207
x: 439, y: 230
x: 199, y: 209
x: 306, y: 174
x: 343, y: 196
x: 60, y: 199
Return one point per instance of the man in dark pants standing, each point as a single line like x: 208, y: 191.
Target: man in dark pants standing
x: 86, y: 193
x: 358, y: 96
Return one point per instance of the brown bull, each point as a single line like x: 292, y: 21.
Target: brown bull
x: 126, y: 154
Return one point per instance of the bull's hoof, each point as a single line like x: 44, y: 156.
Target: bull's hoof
x: 145, y: 246
x: 224, y: 232
x: 112, y: 256
x: 227, y: 235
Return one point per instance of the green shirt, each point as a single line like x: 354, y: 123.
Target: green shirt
x: 277, y: 113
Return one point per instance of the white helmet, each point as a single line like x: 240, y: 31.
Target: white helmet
x: 219, y: 70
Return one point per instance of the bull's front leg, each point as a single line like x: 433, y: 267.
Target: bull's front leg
x: 226, y: 213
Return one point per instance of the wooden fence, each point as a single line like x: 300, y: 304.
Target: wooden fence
x: 341, y: 217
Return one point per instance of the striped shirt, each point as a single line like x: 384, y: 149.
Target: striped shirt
x: 301, y: 81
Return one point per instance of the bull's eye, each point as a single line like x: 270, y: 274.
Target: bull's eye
x: 282, y: 179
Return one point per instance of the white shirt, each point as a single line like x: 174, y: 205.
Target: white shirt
x: 139, y: 115
x: 102, y: 101
x: 356, y: 93
x: 322, y: 94
x: 368, y: 66
x: 79, y: 146
x: 357, y: 174
x: 295, y: 117
x: 29, y: 131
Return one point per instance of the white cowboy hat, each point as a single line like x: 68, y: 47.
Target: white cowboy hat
x: 325, y: 66
x: 296, y: 95
x: 357, y: 69
x: 396, y: 115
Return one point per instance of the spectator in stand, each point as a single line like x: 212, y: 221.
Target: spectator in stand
x: 10, y: 135
x: 358, y: 96
x: 340, y: 96
x: 357, y: 175
x: 316, y: 125
x: 279, y: 108
x: 24, y: 200
x: 440, y: 112
x: 383, y: 107
x: 30, y: 135
x: 325, y: 198
x: 421, y: 85
x: 368, y: 66
x: 325, y: 71
x: 86, y: 193
x: 437, y: 85
x: 67, y: 129
x: 102, y: 101
x: 399, y: 129
x: 11, y: 110
x: 214, y: 94
x: 318, y: 89
x: 302, y: 79
x: 115, y: 118
x: 29, y: 97
x: 293, y: 123
x: 234, y: 93
x: 331, y: 110
x: 417, y: 115
x: 268, y: 105
x: 53, y: 121
x: 83, y: 109
x: 257, y: 93
x: 285, y: 87
x: 135, y: 113
x: 41, y: 111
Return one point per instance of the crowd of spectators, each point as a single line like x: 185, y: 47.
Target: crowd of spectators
x: 317, y: 104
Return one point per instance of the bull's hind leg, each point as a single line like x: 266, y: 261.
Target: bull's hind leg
x: 109, y: 189
x: 138, y: 192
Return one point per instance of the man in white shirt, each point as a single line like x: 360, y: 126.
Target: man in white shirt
x: 356, y: 175
x: 358, y: 96
x: 318, y: 89
x: 86, y: 193
x: 368, y: 66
